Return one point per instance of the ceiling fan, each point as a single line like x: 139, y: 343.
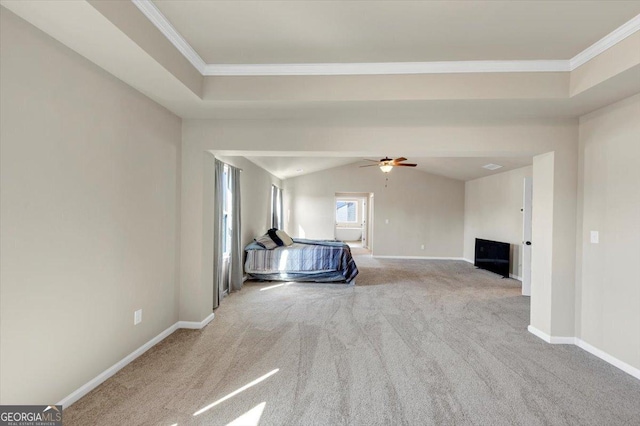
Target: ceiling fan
x: 386, y: 164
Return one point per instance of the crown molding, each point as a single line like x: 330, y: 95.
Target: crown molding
x: 156, y: 17
x: 614, y: 37
x: 386, y: 68
x: 381, y: 68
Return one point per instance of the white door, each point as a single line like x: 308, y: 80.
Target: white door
x: 526, y: 236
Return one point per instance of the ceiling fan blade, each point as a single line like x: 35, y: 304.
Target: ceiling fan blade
x: 399, y: 160
x: 370, y: 165
x: 404, y: 165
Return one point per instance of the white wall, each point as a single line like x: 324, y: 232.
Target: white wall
x: 89, y: 217
x: 492, y: 211
x: 608, y: 296
x: 421, y: 209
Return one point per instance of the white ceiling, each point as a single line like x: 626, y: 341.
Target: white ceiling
x: 461, y: 168
x: 286, y: 167
x: 271, y: 32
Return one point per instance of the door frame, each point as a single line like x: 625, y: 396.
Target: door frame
x: 527, y: 216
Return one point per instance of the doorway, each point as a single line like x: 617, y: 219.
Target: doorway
x: 352, y: 218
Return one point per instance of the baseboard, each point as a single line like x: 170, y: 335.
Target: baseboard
x: 102, y: 377
x: 554, y: 340
x: 417, y: 257
x: 193, y: 325
x: 541, y: 334
x: 468, y: 260
x: 95, y: 382
x: 627, y: 368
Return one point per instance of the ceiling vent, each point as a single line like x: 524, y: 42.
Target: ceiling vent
x: 492, y: 166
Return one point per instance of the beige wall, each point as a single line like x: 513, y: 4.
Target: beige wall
x: 553, y: 254
x: 609, y: 289
x: 542, y: 239
x: 89, y: 219
x: 421, y: 209
x: 492, y: 211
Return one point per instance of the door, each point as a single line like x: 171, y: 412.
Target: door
x: 526, y: 236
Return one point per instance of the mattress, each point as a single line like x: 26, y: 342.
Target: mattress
x: 304, y: 260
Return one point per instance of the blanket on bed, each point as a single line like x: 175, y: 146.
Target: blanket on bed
x: 304, y: 259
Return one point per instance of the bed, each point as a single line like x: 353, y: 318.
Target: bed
x: 304, y: 261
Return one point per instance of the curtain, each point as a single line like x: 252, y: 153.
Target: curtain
x: 276, y: 207
x: 218, y: 234
x: 237, y: 252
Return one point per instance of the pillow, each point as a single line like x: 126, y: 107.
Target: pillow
x: 274, y: 236
x: 266, y: 242
x: 286, y: 239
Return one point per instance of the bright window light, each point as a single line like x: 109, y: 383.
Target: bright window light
x: 251, y: 417
x: 282, y: 266
x: 234, y: 393
x: 273, y: 286
x: 346, y: 211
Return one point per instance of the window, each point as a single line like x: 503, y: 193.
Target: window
x: 276, y: 207
x: 346, y: 211
x: 226, y: 213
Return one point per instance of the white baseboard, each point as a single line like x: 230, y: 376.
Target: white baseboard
x: 100, y: 378
x: 417, y: 257
x: 541, y: 334
x: 468, y: 260
x: 193, y: 325
x: 627, y: 368
x: 554, y: 340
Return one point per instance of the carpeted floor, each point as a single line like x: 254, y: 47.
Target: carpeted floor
x: 414, y: 342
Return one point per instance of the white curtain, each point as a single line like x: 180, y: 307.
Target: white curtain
x: 237, y: 252
x: 276, y: 207
x: 227, y: 267
x: 218, y: 234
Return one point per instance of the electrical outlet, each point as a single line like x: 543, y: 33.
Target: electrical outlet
x: 386, y: 221
x: 422, y: 247
x: 595, y: 237
x: 137, y: 317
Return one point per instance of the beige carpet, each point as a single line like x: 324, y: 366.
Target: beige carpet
x: 414, y: 342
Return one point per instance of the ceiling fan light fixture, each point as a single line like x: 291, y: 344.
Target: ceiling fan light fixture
x: 386, y: 168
